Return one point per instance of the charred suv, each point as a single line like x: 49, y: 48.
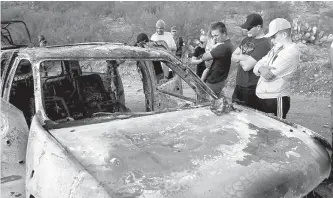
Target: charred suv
x: 71, y: 128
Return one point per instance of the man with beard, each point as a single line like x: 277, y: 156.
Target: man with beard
x: 249, y: 52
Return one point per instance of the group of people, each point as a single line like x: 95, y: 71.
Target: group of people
x: 172, y: 41
x: 266, y: 63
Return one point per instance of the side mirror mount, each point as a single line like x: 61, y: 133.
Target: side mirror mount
x: 221, y: 106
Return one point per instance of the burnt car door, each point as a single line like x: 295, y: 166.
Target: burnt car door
x: 7, y: 60
x: 14, y: 127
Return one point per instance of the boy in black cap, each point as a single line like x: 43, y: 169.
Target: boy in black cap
x: 42, y: 41
x: 141, y: 39
x: 249, y: 52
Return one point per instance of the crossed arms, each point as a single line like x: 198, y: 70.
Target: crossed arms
x: 245, y: 61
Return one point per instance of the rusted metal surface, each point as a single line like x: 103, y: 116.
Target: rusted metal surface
x: 92, y: 51
x: 14, y: 138
x: 199, y: 154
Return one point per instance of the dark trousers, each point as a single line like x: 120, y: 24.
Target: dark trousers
x: 279, y: 106
x: 200, y: 70
x: 246, y: 96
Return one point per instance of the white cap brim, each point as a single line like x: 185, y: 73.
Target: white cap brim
x: 269, y: 34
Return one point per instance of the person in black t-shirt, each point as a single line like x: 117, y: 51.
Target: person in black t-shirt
x: 178, y: 40
x: 216, y: 74
x: 197, y: 55
x: 249, y: 52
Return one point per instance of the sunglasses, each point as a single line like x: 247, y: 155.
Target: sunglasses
x: 248, y: 29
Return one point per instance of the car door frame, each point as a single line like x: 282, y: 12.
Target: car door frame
x: 203, y: 92
x: 14, y: 138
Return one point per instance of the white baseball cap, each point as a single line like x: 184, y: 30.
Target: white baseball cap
x: 277, y: 25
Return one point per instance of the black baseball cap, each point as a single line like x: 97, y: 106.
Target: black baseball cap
x: 252, y: 20
x: 142, y: 37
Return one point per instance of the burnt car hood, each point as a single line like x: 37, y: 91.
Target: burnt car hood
x: 195, y: 153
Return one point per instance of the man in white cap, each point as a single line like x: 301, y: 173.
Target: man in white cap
x: 168, y: 38
x: 276, y: 70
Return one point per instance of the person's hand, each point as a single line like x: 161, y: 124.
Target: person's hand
x: 266, y: 72
x: 236, y: 60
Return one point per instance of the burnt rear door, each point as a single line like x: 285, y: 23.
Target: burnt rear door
x: 14, y: 138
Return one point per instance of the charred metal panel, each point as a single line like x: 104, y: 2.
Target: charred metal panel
x: 110, y: 51
x: 197, y: 153
x: 174, y: 85
x: 53, y: 172
x: 14, y: 138
x: 164, y: 100
x: 115, y: 85
x: 145, y: 70
x: 38, y: 91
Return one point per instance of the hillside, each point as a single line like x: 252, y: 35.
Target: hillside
x: 73, y: 22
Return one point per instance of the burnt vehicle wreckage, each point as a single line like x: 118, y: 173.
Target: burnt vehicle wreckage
x: 12, y: 33
x: 67, y: 131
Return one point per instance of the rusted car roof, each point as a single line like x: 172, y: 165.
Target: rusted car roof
x: 94, y: 50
